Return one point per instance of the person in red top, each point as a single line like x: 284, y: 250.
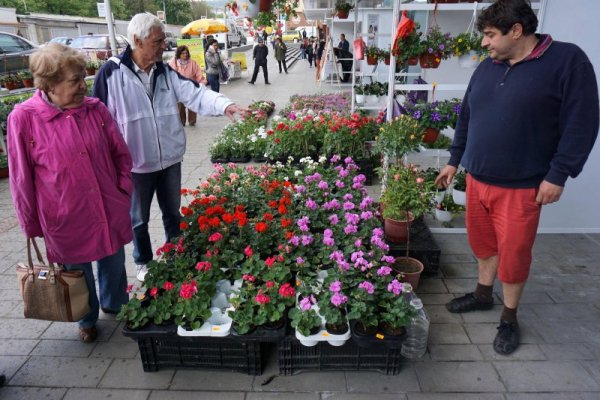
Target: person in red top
x: 185, y: 66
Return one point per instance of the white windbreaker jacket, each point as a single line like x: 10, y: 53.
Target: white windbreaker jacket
x: 151, y: 126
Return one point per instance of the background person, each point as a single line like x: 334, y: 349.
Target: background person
x: 280, y: 50
x: 70, y: 178
x: 344, y: 44
x: 318, y: 56
x: 142, y: 95
x: 259, y: 55
x: 213, y: 65
x: 184, y: 65
x: 520, y: 139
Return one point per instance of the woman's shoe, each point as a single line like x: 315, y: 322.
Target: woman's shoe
x: 88, y: 335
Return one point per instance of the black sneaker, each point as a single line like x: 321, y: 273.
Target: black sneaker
x: 508, y: 338
x: 267, y: 83
x: 250, y: 82
x: 467, y: 303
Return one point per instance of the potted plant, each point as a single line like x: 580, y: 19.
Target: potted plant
x: 91, y: 66
x: 408, y: 49
x: 27, y: 78
x: 373, y: 53
x: 434, y: 116
x: 447, y: 209
x: 430, y: 174
x: 343, y: 8
x: 467, y: 47
x: 398, y: 137
x: 363, y: 309
x: 332, y: 307
x: 459, y: 188
x: 396, y: 310
x: 404, y: 199
x: 359, y: 91
x: 304, y: 318
x: 385, y: 56
x: 10, y: 81
x: 437, y: 47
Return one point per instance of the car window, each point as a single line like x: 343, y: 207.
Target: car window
x: 90, y: 42
x: 10, y: 44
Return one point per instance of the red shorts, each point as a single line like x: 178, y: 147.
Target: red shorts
x: 503, y: 222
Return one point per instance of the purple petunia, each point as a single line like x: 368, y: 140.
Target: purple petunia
x: 348, y: 229
x: 333, y: 219
x: 299, y: 260
x: 328, y: 241
x: 367, y: 287
x: 366, y: 215
x: 384, y: 271
x: 395, y: 287
x: 339, y: 184
x: 335, y: 286
x: 323, y: 185
x: 305, y: 304
x: 338, y: 299
x: 348, y: 197
x: 343, y: 173
x: 311, y: 204
x: 300, y: 188
x: 348, y: 205
x: 306, y: 240
x: 303, y: 224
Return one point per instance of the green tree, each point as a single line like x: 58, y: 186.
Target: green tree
x: 179, y: 12
x: 201, y: 9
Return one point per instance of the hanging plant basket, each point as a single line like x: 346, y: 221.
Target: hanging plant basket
x: 428, y: 60
x: 469, y: 60
x: 387, y: 61
x: 430, y: 135
x: 372, y: 60
x: 341, y: 14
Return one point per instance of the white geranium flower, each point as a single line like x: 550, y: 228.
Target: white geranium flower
x: 297, y: 172
x: 276, y: 118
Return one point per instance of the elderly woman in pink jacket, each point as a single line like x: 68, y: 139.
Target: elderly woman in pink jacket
x: 188, y: 68
x: 70, y: 178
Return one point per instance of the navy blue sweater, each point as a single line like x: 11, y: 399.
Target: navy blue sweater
x: 532, y: 121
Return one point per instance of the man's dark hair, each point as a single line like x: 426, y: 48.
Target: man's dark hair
x: 212, y: 41
x: 503, y: 14
x: 181, y: 49
x: 342, y: 36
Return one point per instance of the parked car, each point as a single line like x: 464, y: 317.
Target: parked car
x: 171, y: 41
x: 14, y: 52
x: 99, y: 45
x: 291, y: 36
x: 62, y: 40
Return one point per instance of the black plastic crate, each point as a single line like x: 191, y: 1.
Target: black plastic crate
x: 422, y: 247
x: 378, y: 340
x: 295, y: 358
x: 160, y: 348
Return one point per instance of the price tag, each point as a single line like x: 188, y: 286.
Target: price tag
x: 216, y: 328
x: 325, y: 334
x: 380, y: 336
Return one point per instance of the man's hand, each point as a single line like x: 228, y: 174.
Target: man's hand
x: 445, y: 177
x: 233, y: 109
x: 548, y: 193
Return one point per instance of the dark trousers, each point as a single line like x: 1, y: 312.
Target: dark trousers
x: 166, y: 184
x: 310, y: 59
x: 284, y: 66
x: 213, y: 81
x: 255, y: 73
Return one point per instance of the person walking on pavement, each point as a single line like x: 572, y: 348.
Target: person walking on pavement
x: 184, y: 65
x: 213, y: 65
x: 264, y: 35
x: 260, y: 60
x: 318, y: 56
x: 280, y: 50
x: 142, y: 94
x: 519, y: 138
x: 303, y: 49
x: 310, y: 53
x: 70, y: 178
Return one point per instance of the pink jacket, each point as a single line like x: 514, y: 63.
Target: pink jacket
x: 70, y: 178
x: 190, y: 70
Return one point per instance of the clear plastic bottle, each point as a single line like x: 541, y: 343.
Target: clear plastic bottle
x: 415, y: 344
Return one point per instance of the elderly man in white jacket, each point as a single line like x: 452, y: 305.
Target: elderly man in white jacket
x: 142, y: 93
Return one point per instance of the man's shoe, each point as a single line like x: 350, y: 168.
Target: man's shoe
x: 467, y: 303
x: 142, y: 270
x: 267, y: 83
x: 508, y: 338
x: 88, y: 335
x: 250, y: 82
x: 108, y: 311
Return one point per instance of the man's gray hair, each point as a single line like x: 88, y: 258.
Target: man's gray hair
x: 140, y: 27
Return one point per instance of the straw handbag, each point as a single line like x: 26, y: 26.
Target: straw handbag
x: 51, y: 293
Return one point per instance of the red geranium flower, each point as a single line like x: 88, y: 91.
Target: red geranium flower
x: 260, y: 227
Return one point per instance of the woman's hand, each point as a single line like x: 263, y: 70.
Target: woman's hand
x: 233, y: 109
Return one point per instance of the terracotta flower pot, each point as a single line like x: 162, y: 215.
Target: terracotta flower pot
x: 372, y: 60
x: 413, y: 60
x: 431, y: 135
x: 397, y: 231
x: 264, y: 5
x: 11, y: 85
x: 90, y: 71
x: 341, y: 14
x: 387, y: 61
x: 428, y: 60
x: 410, y: 269
x: 28, y: 83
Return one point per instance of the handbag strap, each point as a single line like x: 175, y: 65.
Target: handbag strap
x: 30, y: 242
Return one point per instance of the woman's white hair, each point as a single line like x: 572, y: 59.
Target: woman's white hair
x: 140, y: 27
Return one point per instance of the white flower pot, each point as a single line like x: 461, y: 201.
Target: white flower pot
x: 459, y: 197
x: 360, y: 98
x: 469, y: 60
x: 439, y: 196
x: 372, y: 99
x: 443, y: 215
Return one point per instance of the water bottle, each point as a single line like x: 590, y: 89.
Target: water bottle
x: 415, y: 344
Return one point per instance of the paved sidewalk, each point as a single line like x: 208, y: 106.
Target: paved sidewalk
x: 560, y: 320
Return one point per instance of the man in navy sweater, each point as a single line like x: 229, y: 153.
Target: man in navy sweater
x: 529, y: 121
